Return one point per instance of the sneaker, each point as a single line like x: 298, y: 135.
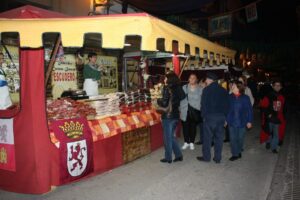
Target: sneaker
x: 268, y: 145
x: 185, y: 146
x: 192, y: 147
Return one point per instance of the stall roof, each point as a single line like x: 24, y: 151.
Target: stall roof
x: 113, y: 29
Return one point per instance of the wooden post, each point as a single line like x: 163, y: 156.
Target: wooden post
x: 182, y: 68
x: 52, y: 61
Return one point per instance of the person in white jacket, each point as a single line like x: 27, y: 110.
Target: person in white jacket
x: 248, y: 92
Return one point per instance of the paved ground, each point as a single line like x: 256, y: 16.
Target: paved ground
x: 286, y: 179
x: 147, y: 178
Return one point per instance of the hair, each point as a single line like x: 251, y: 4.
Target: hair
x: 276, y: 81
x: 244, y: 78
x: 193, y: 74
x: 172, y: 79
x: 91, y: 54
x: 240, y: 86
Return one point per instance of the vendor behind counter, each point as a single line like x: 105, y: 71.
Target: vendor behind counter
x: 91, y: 75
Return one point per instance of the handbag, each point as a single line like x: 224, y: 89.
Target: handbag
x: 193, y: 113
x: 164, y: 110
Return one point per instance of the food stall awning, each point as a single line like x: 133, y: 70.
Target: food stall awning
x: 113, y: 29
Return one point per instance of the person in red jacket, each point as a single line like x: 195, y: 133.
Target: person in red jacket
x: 273, y: 118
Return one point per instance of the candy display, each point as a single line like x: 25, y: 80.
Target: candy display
x: 156, y: 91
x: 66, y: 108
x: 134, y: 101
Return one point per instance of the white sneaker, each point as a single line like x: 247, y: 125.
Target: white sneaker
x: 185, y: 146
x: 192, y: 147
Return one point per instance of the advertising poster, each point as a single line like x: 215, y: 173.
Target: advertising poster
x: 64, y: 75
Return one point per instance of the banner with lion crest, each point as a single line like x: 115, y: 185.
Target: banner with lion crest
x: 76, y: 148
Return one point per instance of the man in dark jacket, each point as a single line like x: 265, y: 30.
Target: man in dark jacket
x: 214, y: 107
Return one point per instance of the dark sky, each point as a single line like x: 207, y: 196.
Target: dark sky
x: 277, y: 19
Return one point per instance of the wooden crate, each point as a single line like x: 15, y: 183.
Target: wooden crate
x: 136, y: 143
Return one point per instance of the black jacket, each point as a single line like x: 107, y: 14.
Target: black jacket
x: 176, y: 94
x: 215, y: 100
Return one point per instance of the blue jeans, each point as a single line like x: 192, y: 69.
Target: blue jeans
x: 170, y: 142
x: 273, y: 139
x: 237, y: 136
x: 213, y: 127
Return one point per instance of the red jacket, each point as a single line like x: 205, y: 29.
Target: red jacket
x: 273, y: 105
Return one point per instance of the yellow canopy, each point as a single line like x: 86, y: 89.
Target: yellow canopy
x: 114, y: 29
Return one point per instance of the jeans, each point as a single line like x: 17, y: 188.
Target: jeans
x: 273, y: 139
x: 170, y: 142
x: 213, y: 126
x: 237, y: 136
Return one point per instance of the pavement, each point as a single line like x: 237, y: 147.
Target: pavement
x: 286, y: 179
x: 248, y: 178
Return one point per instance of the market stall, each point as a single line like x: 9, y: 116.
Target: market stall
x: 56, y: 141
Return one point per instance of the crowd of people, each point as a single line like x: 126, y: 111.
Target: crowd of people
x: 216, y: 112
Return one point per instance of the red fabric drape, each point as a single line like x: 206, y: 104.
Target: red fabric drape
x: 32, y: 143
x: 176, y: 64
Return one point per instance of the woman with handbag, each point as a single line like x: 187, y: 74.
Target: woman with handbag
x: 190, y: 114
x: 172, y: 94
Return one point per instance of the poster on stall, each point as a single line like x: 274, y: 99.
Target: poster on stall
x: 7, y: 145
x: 64, y: 75
x: 109, y: 77
x: 11, y: 69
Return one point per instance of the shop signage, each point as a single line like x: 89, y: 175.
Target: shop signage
x: 64, y: 75
x: 7, y: 145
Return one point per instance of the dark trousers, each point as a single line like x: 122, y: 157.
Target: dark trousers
x: 227, y: 135
x: 189, y: 130
x: 201, y: 132
x: 213, y: 131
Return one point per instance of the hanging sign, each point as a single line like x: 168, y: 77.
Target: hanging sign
x: 7, y: 145
x: 220, y: 25
x: 251, y: 13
